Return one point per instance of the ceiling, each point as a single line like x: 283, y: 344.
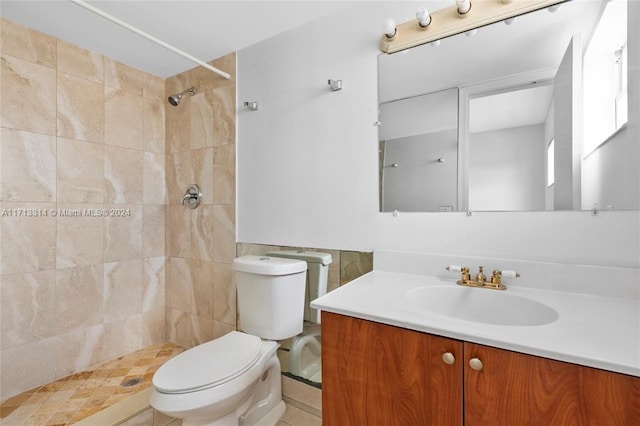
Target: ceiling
x: 205, y: 29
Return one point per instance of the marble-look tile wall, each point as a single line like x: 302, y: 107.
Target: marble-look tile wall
x: 80, y: 134
x: 200, y: 140
x: 345, y: 265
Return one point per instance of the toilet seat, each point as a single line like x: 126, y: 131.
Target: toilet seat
x: 209, y: 364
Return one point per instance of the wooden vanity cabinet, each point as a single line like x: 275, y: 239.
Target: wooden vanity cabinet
x: 518, y: 389
x: 375, y: 374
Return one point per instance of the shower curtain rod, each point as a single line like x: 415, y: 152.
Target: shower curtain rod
x: 149, y: 37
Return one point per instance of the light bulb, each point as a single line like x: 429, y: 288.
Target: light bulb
x: 463, y: 6
x: 390, y: 28
x: 423, y: 17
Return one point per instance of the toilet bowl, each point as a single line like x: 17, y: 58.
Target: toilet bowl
x: 305, y: 356
x: 235, y: 379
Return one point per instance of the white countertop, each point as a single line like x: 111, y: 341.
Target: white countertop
x: 592, y: 330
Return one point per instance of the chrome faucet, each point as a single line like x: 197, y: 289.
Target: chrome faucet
x: 480, y: 280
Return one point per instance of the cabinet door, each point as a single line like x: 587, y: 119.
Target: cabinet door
x: 517, y: 389
x: 375, y: 374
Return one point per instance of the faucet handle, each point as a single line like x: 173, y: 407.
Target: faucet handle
x: 509, y: 274
x: 454, y: 268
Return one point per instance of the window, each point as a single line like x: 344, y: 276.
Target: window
x: 605, y: 77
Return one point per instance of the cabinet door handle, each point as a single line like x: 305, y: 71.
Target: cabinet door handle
x: 475, y: 364
x: 448, y: 358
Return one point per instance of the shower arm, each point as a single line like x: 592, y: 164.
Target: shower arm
x: 149, y: 37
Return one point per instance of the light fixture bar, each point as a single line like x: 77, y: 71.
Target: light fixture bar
x: 446, y: 22
x: 149, y: 37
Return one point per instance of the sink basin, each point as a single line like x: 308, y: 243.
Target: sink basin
x: 481, y: 305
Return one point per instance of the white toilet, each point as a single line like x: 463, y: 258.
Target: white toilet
x: 235, y: 379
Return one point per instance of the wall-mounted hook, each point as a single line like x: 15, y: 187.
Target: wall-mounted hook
x: 251, y: 106
x: 335, y: 85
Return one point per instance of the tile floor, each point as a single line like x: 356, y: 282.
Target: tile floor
x: 73, y: 398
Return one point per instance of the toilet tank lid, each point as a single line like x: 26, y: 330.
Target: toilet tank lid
x: 266, y: 265
x: 307, y: 256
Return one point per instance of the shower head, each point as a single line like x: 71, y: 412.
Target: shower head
x: 175, y: 99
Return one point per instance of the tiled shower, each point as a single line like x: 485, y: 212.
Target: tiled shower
x: 97, y: 257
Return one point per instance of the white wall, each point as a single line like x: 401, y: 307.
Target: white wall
x: 507, y: 169
x: 307, y: 161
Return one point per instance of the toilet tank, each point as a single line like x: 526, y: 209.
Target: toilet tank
x: 270, y: 295
x: 317, y: 277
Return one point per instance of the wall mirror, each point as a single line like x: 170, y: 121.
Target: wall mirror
x: 526, y: 114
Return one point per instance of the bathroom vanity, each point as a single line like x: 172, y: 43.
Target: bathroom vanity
x: 404, y: 348
x: 376, y: 374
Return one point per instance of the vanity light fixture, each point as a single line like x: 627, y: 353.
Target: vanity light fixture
x: 445, y: 22
x: 464, y: 6
x: 435, y: 43
x: 553, y: 9
x: 390, y: 30
x: 335, y: 85
x: 471, y: 33
x: 423, y: 17
x: 509, y: 21
x: 251, y: 106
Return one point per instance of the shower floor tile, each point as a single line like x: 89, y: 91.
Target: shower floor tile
x: 73, y: 398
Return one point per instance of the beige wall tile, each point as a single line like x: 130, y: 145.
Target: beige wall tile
x: 224, y: 236
x: 27, y: 366
x: 123, y: 175
x: 27, y: 308
x: 123, y: 77
x: 28, y: 243
x: 177, y: 83
x: 153, y: 327
x: 122, y: 290
x: 80, y: 172
x: 122, y: 337
x: 123, y: 234
x: 178, y: 325
x: 224, y: 293
x: 153, y: 122
x: 123, y: 116
x: 224, y: 174
x: 80, y: 62
x: 223, y: 103
x: 154, y: 179
x: 153, y: 284
x: 153, y: 227
x: 201, y: 172
x: 80, y: 105
x: 28, y: 44
x: 181, y: 173
x: 28, y: 96
x: 79, y: 239
x: 202, y: 222
x: 79, y: 298
x: 179, y: 223
x: 202, y: 330
x: 202, y: 120
x: 178, y: 126
x: 179, y: 284
x: 354, y: 264
x: 201, y: 288
x: 153, y: 88
x: 29, y: 166
x: 78, y: 350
